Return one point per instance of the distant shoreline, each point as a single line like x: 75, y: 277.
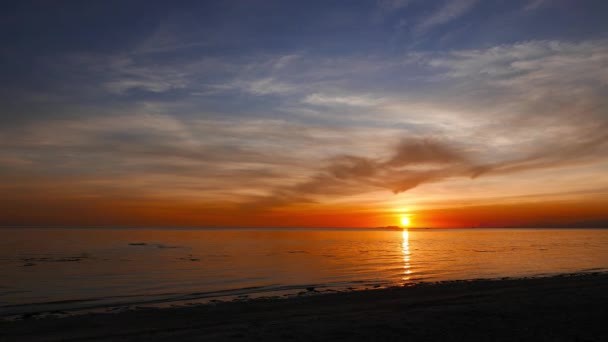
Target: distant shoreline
x: 564, y: 307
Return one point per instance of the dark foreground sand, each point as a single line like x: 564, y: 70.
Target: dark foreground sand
x: 565, y: 308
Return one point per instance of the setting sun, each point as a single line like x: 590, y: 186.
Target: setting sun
x: 405, y: 221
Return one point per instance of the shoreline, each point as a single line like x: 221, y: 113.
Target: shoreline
x: 87, y: 306
x: 565, y: 307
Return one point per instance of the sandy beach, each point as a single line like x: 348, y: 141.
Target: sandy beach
x: 559, y: 308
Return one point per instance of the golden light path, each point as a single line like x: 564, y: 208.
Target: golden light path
x: 405, y: 248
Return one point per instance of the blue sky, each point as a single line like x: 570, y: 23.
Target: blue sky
x: 266, y: 104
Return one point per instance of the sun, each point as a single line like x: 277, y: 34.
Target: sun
x: 405, y: 221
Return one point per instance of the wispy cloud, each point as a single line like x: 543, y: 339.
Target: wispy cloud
x: 544, y: 118
x: 263, y: 86
x: 357, y: 101
x: 450, y: 10
x: 415, y: 162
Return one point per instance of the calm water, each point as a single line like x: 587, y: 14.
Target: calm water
x: 72, y: 269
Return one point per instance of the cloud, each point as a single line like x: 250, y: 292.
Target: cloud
x: 449, y: 11
x: 417, y: 161
x: 524, y: 86
x: 156, y: 86
x: 539, y: 61
x: 284, y: 61
x: 413, y: 151
x: 588, y: 148
x: 151, y: 155
x: 141, y: 154
x: 122, y: 74
x: 264, y: 86
x: 532, y: 106
x: 412, y: 162
x: 357, y: 101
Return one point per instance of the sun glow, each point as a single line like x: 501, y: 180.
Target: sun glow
x: 405, y: 221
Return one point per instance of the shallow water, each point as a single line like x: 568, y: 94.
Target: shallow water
x: 78, y: 269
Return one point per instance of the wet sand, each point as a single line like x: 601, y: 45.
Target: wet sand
x: 561, y: 308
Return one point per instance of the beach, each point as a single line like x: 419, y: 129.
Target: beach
x: 569, y: 307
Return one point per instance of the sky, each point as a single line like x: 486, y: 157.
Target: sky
x: 462, y: 113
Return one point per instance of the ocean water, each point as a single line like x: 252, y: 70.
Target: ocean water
x: 93, y: 269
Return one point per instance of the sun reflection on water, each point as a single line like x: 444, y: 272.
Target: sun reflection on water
x: 405, y: 248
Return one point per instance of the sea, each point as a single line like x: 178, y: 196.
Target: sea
x: 67, y: 271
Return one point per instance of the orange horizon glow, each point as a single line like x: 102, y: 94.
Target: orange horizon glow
x: 184, y: 214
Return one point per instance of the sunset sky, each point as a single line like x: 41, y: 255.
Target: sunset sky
x: 304, y: 113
